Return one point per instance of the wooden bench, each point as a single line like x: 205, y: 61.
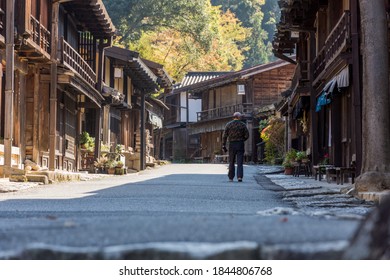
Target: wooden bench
x: 197, y: 159
x: 319, y: 170
x: 332, y: 173
x: 302, y: 168
x: 221, y: 158
x: 344, y: 171
x: 340, y: 173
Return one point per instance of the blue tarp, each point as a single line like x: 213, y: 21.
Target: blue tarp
x: 322, y: 101
x: 324, y: 98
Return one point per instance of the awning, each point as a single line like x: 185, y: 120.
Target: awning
x: 330, y: 86
x: 341, y: 80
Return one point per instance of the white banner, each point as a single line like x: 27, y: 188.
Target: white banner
x: 262, y: 269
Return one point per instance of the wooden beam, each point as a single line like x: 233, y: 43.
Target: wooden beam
x: 36, y: 128
x: 9, y: 86
x: 53, y: 87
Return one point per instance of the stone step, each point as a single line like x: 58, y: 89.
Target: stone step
x: 29, y: 178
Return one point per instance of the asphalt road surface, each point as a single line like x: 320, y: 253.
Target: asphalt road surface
x: 172, y: 205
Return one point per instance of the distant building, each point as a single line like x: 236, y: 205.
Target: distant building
x: 178, y: 144
x: 254, y: 92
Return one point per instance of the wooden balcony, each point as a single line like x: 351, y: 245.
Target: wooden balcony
x: 337, y: 42
x: 72, y: 59
x: 33, y: 41
x: 40, y: 35
x: 223, y: 112
x: 2, y: 25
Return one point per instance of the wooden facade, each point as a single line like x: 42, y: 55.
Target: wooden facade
x: 131, y: 116
x: 248, y: 91
x: 62, y: 81
x: 178, y: 144
x: 324, y: 103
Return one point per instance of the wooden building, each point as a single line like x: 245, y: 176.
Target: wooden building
x: 178, y: 144
x: 253, y: 92
x: 324, y: 102
x: 63, y: 78
x: 131, y: 115
x: 56, y: 80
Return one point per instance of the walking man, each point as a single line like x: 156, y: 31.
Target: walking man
x: 237, y: 133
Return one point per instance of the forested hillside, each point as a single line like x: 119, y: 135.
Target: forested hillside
x: 202, y: 35
x: 261, y: 16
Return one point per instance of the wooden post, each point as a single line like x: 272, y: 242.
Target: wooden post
x: 1, y: 90
x: 9, y: 86
x: 288, y: 126
x: 313, y: 103
x: 36, y: 127
x: 142, y: 132
x: 22, y: 114
x: 187, y: 123
x: 98, y: 125
x: 53, y: 86
x: 98, y: 116
x: 356, y: 86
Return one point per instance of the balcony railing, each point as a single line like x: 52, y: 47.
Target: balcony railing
x: 223, y: 112
x: 334, y: 44
x: 71, y: 58
x: 2, y: 22
x: 40, y: 35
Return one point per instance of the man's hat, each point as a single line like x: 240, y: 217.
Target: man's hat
x: 237, y: 115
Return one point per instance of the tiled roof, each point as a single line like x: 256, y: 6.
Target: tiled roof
x: 228, y: 77
x: 196, y: 77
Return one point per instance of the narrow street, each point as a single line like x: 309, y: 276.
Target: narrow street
x: 182, y: 211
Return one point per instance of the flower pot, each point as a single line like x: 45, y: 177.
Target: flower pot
x: 119, y: 171
x: 288, y: 170
x: 111, y: 171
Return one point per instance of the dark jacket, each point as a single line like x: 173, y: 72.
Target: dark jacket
x: 235, y: 131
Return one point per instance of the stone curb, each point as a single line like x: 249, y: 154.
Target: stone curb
x: 305, y: 251
x: 240, y: 250
x: 374, y: 196
x: 149, y: 251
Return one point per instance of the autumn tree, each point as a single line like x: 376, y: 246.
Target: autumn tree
x: 375, y: 173
x: 182, y: 35
x: 180, y: 52
x: 134, y: 18
x: 261, y: 16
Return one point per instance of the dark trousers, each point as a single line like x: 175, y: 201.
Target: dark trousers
x: 236, y: 152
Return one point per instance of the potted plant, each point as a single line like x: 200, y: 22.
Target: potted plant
x: 300, y: 156
x: 100, y: 164
x: 119, y: 148
x: 104, y: 148
x: 119, y: 170
x: 288, y: 162
x: 86, y: 141
x: 111, y: 164
x: 288, y: 167
x: 291, y: 155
